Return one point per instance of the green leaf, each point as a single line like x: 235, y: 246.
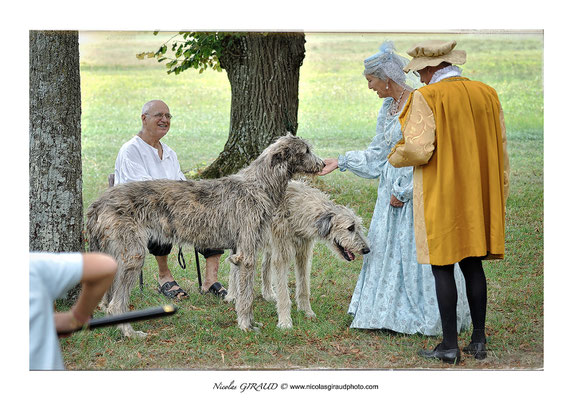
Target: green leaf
x: 198, y: 50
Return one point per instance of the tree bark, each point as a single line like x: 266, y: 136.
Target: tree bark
x: 56, y: 209
x: 263, y: 71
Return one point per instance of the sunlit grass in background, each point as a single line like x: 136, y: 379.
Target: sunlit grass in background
x: 337, y: 113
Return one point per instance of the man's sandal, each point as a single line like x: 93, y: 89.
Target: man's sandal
x: 217, y: 289
x: 165, y: 289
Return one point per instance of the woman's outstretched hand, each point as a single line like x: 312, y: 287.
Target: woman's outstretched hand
x: 330, y: 165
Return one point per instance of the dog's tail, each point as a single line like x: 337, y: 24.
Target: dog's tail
x: 92, y: 226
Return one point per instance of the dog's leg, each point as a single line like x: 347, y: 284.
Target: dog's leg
x: 125, y: 280
x: 233, y: 282
x: 96, y: 244
x: 244, y: 300
x: 267, y: 274
x: 280, y: 266
x: 303, y: 265
x: 104, y: 302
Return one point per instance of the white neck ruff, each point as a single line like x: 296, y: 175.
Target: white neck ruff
x: 448, y: 72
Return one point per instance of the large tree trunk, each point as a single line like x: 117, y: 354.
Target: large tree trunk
x: 56, y: 214
x: 263, y: 70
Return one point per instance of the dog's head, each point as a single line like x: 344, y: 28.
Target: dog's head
x: 294, y: 154
x: 342, y: 230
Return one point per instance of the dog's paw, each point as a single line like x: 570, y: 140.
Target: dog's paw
x: 285, y: 323
x: 244, y: 325
x: 250, y: 327
x: 129, y: 332
x: 307, y: 310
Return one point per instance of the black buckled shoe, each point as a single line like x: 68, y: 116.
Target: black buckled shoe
x: 450, y: 356
x: 476, y: 349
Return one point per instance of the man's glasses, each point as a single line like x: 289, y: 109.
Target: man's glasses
x: 161, y: 115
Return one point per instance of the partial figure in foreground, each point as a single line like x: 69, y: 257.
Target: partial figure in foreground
x: 454, y: 136
x: 233, y: 212
x: 51, y: 277
x: 305, y: 216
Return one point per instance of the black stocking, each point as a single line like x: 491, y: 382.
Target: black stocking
x: 476, y: 288
x: 447, y: 295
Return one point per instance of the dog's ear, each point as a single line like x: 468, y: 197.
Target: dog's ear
x: 281, y: 156
x: 324, y: 224
x: 277, y: 158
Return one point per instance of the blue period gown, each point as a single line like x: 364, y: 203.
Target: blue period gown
x: 393, y: 291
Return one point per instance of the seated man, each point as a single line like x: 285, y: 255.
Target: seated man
x: 145, y: 158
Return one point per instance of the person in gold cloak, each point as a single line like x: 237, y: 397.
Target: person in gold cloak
x: 454, y: 135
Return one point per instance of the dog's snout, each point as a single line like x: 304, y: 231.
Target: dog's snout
x: 366, y: 250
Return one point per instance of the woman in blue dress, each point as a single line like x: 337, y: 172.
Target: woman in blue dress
x: 393, y: 291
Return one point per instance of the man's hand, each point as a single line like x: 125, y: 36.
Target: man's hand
x: 394, y: 202
x: 66, y: 323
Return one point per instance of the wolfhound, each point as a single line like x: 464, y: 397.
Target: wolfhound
x: 232, y: 212
x: 305, y: 215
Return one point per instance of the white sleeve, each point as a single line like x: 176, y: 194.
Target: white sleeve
x: 130, y: 166
x: 58, y: 273
x: 127, y: 170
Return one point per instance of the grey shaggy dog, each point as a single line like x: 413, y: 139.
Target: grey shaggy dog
x: 233, y: 212
x: 305, y: 216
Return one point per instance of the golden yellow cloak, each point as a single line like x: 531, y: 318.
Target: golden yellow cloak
x: 454, y: 136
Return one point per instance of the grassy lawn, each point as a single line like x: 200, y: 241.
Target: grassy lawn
x: 337, y: 113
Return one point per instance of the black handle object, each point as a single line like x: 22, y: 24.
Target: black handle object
x: 132, y: 316
x: 181, y: 259
x: 198, y: 268
x: 183, y: 264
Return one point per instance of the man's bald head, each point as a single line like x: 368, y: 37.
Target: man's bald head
x: 151, y: 105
